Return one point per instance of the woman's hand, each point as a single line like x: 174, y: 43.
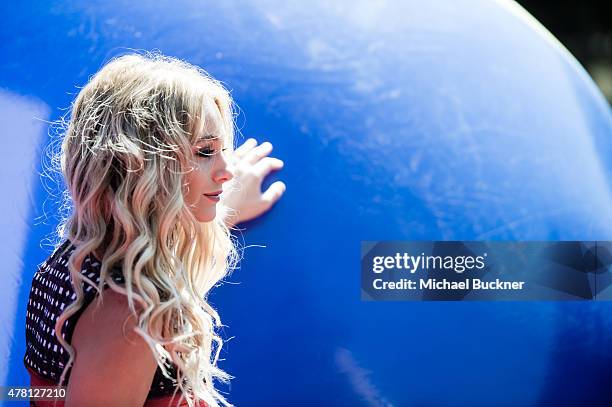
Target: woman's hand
x: 243, y: 196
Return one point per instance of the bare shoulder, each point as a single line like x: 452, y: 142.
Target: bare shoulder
x: 113, y: 365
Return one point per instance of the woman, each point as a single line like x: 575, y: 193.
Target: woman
x: 155, y: 184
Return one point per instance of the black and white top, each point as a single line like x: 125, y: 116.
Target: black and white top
x: 51, y: 292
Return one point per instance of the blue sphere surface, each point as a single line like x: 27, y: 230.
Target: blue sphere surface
x: 438, y: 120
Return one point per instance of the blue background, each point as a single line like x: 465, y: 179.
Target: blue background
x: 436, y: 120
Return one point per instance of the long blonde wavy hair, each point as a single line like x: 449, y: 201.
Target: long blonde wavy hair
x: 125, y: 154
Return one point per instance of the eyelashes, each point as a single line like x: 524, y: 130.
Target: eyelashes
x: 207, y: 152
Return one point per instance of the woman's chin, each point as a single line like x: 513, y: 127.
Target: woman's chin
x: 206, y: 217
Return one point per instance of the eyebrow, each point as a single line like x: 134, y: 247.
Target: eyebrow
x: 207, y: 138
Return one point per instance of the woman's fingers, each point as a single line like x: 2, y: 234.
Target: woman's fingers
x: 258, y: 153
x: 252, y: 165
x: 273, y: 193
x: 266, y: 165
x: 245, y: 148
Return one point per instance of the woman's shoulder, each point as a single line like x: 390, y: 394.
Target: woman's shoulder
x: 111, y: 354
x: 111, y: 319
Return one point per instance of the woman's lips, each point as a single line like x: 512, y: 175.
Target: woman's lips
x: 215, y: 196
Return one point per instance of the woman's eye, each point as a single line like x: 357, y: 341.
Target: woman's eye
x: 205, y: 152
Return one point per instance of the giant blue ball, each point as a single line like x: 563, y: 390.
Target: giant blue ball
x: 438, y: 120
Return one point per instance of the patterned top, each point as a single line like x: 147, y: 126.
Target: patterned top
x: 51, y: 292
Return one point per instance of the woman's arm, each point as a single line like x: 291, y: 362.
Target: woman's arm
x: 114, y: 366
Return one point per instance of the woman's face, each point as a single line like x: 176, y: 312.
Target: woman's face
x: 204, y: 182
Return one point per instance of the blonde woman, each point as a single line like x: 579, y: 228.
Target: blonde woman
x: 119, y: 312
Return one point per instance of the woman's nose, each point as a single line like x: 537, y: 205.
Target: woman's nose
x: 223, y: 172
x: 223, y: 175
